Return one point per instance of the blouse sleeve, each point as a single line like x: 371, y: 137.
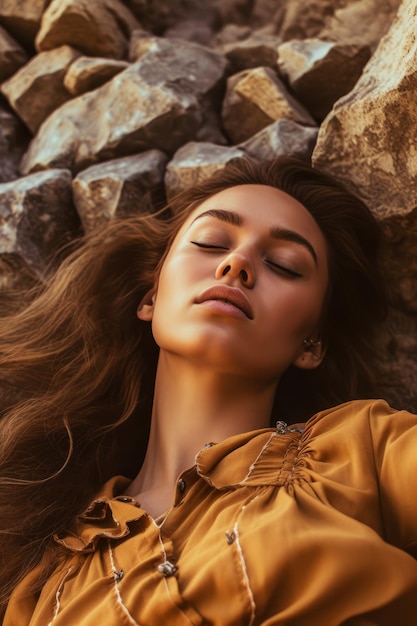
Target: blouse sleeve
x: 394, y: 438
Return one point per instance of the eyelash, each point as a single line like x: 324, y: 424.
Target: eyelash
x: 279, y: 269
x: 207, y: 246
x: 275, y: 267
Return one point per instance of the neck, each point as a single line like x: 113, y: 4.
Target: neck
x: 194, y: 406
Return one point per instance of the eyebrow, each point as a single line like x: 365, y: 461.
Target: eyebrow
x: 276, y: 232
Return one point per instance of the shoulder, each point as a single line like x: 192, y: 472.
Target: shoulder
x: 372, y: 422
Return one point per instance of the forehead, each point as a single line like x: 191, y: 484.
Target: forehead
x: 260, y: 205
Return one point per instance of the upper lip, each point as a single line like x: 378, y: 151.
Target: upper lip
x: 229, y: 294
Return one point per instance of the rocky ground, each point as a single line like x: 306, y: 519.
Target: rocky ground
x: 112, y: 106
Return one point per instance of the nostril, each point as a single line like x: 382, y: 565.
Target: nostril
x: 226, y: 270
x: 244, y: 275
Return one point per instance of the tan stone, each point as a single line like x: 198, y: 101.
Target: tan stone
x: 22, y: 18
x: 361, y: 23
x: 231, y: 33
x: 300, y: 19
x: 121, y: 186
x: 320, y: 72
x: 368, y: 143
x: 37, y: 89
x: 12, y: 55
x: 157, y: 103
x: 14, y: 139
x: 256, y: 98
x: 96, y: 27
x: 255, y: 51
x: 194, y: 162
x: 87, y: 73
x: 233, y: 11
x: 191, y: 30
x: 37, y: 217
x: 282, y: 138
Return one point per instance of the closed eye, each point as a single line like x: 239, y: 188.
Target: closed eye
x: 282, y: 269
x: 208, y: 246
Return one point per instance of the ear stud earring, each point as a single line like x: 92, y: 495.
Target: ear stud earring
x: 309, y: 344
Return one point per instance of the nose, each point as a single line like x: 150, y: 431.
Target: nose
x: 237, y: 265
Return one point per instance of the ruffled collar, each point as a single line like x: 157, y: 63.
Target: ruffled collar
x: 253, y: 459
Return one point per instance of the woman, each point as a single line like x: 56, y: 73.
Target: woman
x: 143, y: 477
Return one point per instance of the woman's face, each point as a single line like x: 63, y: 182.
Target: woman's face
x: 242, y: 285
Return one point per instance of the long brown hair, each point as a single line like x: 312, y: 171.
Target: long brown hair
x: 77, y: 367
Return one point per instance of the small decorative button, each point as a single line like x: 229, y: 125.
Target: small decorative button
x: 284, y: 429
x: 181, y: 485
x: 230, y: 537
x: 167, y: 569
x: 118, y: 575
x: 127, y: 499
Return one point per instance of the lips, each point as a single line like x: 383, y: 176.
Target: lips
x: 232, y: 295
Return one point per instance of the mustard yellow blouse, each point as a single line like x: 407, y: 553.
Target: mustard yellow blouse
x: 271, y: 527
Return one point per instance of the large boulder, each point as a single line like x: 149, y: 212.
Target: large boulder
x: 96, y: 27
x: 360, y: 23
x: 37, y: 218
x: 37, y: 89
x: 122, y: 186
x: 282, y: 138
x: 158, y: 102
x: 368, y: 139
x: 256, y: 98
x: 254, y: 51
x: 14, y: 140
x: 196, y: 161
x: 368, y: 143
x: 22, y: 19
x: 320, y: 72
x: 88, y: 73
x: 12, y: 55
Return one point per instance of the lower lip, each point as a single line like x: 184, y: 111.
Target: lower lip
x: 224, y: 308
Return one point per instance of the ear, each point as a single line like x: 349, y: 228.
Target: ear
x: 312, y: 355
x: 146, y: 306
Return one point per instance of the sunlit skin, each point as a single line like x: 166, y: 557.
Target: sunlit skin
x: 241, y: 288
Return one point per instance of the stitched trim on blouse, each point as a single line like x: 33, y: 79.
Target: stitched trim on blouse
x: 243, y: 563
x: 116, y: 578
x: 58, y: 595
x: 161, y: 543
x: 252, y: 466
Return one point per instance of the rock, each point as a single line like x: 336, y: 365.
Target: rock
x: 233, y: 11
x: 87, y: 73
x: 397, y: 371
x: 255, y: 51
x: 37, y: 89
x: 267, y: 12
x: 301, y: 19
x: 191, y: 30
x: 159, y: 102
x: 361, y: 23
x: 12, y: 55
x: 37, y: 218
x: 256, y: 98
x: 96, y: 27
x: 16, y: 280
x: 282, y: 138
x: 320, y: 72
x: 159, y: 15
x: 194, y: 162
x: 231, y: 33
x: 22, y: 18
x: 368, y: 142
x: 129, y: 185
x: 14, y: 140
